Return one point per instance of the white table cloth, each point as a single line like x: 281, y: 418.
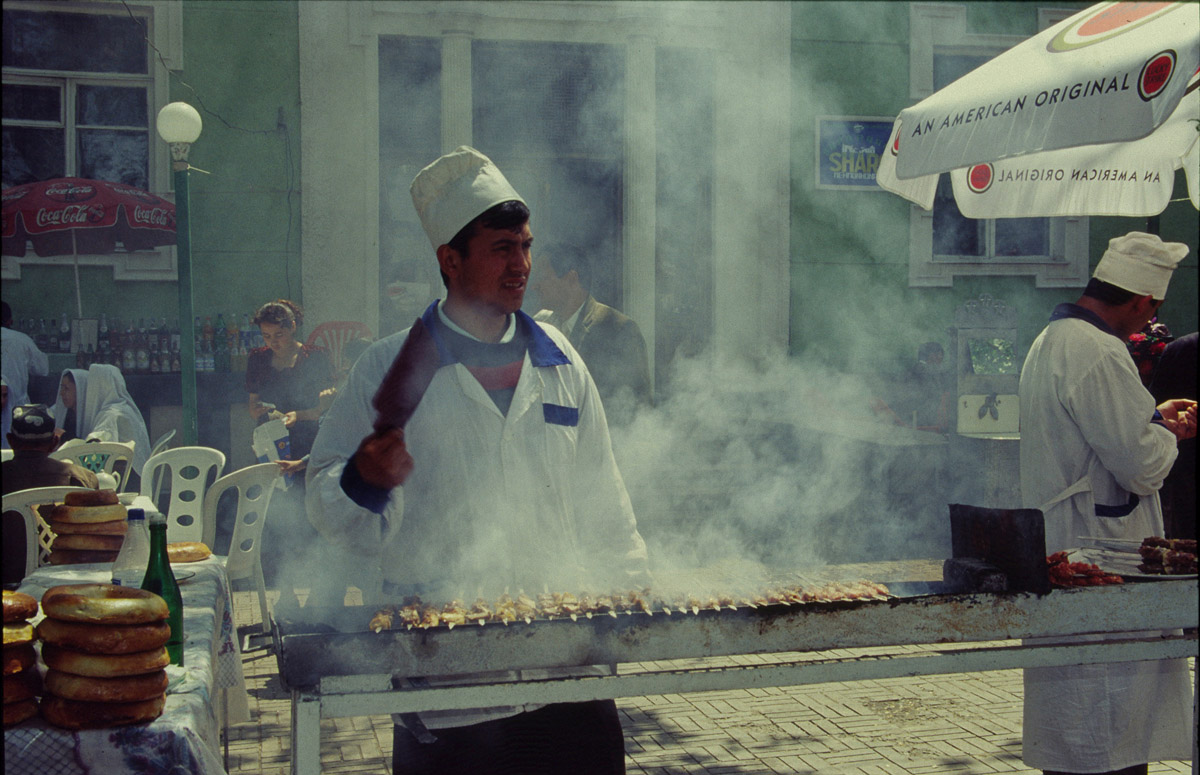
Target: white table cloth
x: 185, y: 738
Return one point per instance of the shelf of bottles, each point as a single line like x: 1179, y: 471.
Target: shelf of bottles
x: 143, y: 346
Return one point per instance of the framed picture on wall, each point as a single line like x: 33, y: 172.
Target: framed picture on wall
x: 848, y: 150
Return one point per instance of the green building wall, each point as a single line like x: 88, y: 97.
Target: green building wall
x: 849, y: 250
x: 851, y: 305
x: 240, y: 71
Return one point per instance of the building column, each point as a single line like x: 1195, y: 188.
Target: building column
x: 457, y: 116
x: 641, y: 187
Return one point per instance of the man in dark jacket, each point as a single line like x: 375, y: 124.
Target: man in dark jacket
x: 610, y: 342
x: 1175, y: 377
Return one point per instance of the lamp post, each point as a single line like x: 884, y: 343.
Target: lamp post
x: 179, y: 124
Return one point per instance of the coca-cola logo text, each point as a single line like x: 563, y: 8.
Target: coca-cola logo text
x: 155, y: 216
x: 70, y: 192
x: 72, y: 214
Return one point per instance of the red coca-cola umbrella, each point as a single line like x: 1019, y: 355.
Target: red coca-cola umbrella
x: 73, y: 216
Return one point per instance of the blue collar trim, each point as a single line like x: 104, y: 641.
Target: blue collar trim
x: 542, y: 349
x: 1068, y: 310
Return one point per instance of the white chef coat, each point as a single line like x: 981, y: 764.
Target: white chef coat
x: 1087, y: 440
x: 19, y: 357
x: 105, y: 411
x: 528, y: 500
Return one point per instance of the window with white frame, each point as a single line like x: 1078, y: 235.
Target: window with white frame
x: 944, y: 243
x: 80, y: 88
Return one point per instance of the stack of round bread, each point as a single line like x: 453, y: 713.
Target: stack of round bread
x: 89, y: 526
x: 21, y: 679
x: 104, y: 646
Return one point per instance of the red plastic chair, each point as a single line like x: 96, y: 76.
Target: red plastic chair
x: 333, y: 337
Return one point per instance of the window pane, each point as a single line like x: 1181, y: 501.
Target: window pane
x: 32, y: 103
x: 410, y: 101
x: 53, y: 40
x: 953, y: 233
x: 110, y: 106
x: 568, y: 98
x: 118, y: 157
x: 685, y: 99
x: 991, y: 357
x: 1022, y: 237
x: 410, y: 136
x: 33, y: 154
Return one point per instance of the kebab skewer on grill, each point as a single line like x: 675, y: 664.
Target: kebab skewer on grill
x: 412, y: 612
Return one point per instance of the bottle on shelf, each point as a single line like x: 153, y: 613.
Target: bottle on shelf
x: 64, y: 334
x: 164, y: 336
x: 102, y: 336
x: 160, y: 580
x: 142, y: 348
x: 221, y: 352
x: 42, y: 338
x: 207, y: 330
x: 51, y: 338
x: 129, y: 349
x: 129, y: 569
x: 175, y: 337
x: 246, y: 333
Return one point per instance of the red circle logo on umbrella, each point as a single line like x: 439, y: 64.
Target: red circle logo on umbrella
x: 979, y: 178
x: 1156, y: 74
x: 1106, y: 22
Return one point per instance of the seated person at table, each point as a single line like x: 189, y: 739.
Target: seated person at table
x: 95, y: 405
x: 32, y: 440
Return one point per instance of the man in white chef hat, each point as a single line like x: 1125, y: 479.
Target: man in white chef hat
x: 470, y: 454
x: 1094, y: 452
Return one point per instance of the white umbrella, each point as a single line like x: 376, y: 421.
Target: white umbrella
x: 1089, y: 117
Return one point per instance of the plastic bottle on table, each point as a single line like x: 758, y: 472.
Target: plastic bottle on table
x: 160, y: 580
x: 130, y: 566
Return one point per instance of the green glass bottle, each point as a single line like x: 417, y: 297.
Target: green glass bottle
x: 160, y: 580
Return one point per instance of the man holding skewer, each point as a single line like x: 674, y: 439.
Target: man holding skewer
x: 479, y: 439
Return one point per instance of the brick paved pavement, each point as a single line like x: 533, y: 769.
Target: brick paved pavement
x: 964, y: 723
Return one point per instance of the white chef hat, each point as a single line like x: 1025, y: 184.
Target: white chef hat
x: 1140, y: 263
x: 455, y: 190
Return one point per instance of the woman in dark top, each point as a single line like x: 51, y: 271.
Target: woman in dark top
x: 288, y: 374
x: 291, y: 376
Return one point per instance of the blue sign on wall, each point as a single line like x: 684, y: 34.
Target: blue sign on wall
x: 849, y: 149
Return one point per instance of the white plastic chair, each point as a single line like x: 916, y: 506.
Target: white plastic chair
x: 190, y: 470
x: 162, y: 442
x: 101, y: 456
x: 26, y: 502
x: 254, y: 485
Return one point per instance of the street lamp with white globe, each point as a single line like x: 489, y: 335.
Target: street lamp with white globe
x: 179, y: 125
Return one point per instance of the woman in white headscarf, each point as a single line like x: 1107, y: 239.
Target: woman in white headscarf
x: 102, y: 408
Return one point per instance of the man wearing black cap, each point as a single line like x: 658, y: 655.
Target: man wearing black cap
x: 32, y: 440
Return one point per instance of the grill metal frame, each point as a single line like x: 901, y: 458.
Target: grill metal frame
x: 334, y: 674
